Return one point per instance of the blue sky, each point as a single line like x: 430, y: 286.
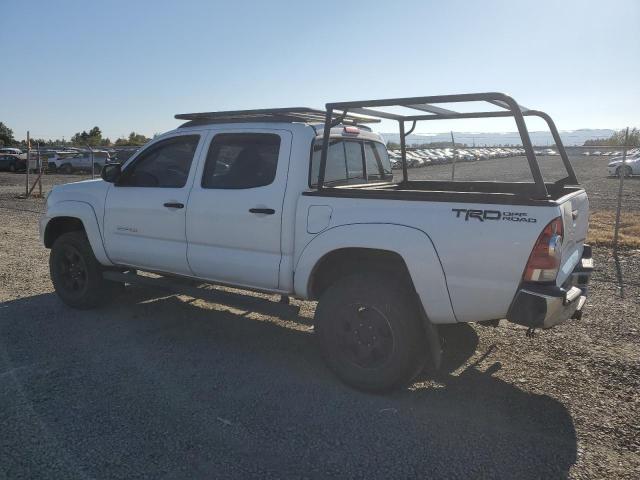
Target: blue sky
x: 131, y: 65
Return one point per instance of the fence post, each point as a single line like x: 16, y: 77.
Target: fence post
x: 39, y: 172
x: 622, y: 169
x: 28, y: 160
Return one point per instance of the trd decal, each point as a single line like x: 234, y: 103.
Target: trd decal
x: 483, y: 215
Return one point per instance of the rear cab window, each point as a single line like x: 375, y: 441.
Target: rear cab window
x: 351, y: 162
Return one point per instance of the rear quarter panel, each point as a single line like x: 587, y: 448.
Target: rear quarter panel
x: 482, y: 259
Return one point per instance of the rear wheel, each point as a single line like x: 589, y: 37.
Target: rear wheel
x: 76, y: 274
x: 66, y: 168
x: 12, y: 167
x: 370, y: 331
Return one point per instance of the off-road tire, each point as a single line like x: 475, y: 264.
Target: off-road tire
x: 365, y: 309
x: 77, y: 275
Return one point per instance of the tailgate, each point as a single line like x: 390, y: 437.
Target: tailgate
x: 575, y: 215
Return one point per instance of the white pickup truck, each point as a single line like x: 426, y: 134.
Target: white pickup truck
x: 303, y: 203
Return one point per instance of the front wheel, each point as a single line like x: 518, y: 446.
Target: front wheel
x: 370, y: 331
x: 76, y: 274
x: 66, y: 169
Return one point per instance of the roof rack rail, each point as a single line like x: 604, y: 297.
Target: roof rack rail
x: 287, y: 115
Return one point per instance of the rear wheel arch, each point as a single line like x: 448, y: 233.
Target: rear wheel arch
x: 407, y: 246
x: 342, y: 262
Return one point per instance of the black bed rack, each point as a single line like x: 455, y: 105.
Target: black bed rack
x: 337, y: 112
x: 292, y: 114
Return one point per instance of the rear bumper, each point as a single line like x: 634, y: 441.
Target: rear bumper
x: 544, y: 306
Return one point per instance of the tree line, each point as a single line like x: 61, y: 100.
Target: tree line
x: 93, y: 137
x: 617, y: 139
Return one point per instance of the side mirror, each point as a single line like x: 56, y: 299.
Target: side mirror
x: 111, y: 172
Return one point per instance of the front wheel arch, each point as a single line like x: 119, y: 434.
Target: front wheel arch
x: 59, y: 226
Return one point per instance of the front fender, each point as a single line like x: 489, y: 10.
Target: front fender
x: 413, y: 245
x: 87, y: 215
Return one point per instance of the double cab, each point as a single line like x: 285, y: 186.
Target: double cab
x: 304, y: 203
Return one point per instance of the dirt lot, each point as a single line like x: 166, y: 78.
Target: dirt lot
x: 159, y: 385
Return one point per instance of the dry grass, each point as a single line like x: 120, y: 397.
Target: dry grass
x: 601, y: 225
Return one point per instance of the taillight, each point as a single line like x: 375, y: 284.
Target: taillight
x: 544, y: 260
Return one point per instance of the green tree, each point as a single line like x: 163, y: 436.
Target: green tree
x: 137, y: 139
x: 92, y: 138
x: 6, y: 135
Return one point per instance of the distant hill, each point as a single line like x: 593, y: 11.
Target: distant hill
x: 569, y: 137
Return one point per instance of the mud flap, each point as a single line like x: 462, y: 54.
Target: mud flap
x: 433, y: 340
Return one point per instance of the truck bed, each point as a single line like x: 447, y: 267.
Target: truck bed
x: 506, y: 193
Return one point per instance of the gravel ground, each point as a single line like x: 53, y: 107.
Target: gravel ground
x: 159, y: 385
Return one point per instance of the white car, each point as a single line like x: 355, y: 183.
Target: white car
x: 300, y: 208
x: 631, y: 166
x: 69, y: 162
x: 10, y: 151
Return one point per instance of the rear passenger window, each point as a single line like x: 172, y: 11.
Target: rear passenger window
x: 241, y: 160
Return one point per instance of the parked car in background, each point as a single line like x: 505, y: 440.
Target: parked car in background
x: 631, y: 165
x: 10, y: 150
x: 69, y: 162
x: 57, y: 158
x: 11, y: 162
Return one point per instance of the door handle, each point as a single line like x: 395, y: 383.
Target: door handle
x: 174, y: 205
x: 267, y: 211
